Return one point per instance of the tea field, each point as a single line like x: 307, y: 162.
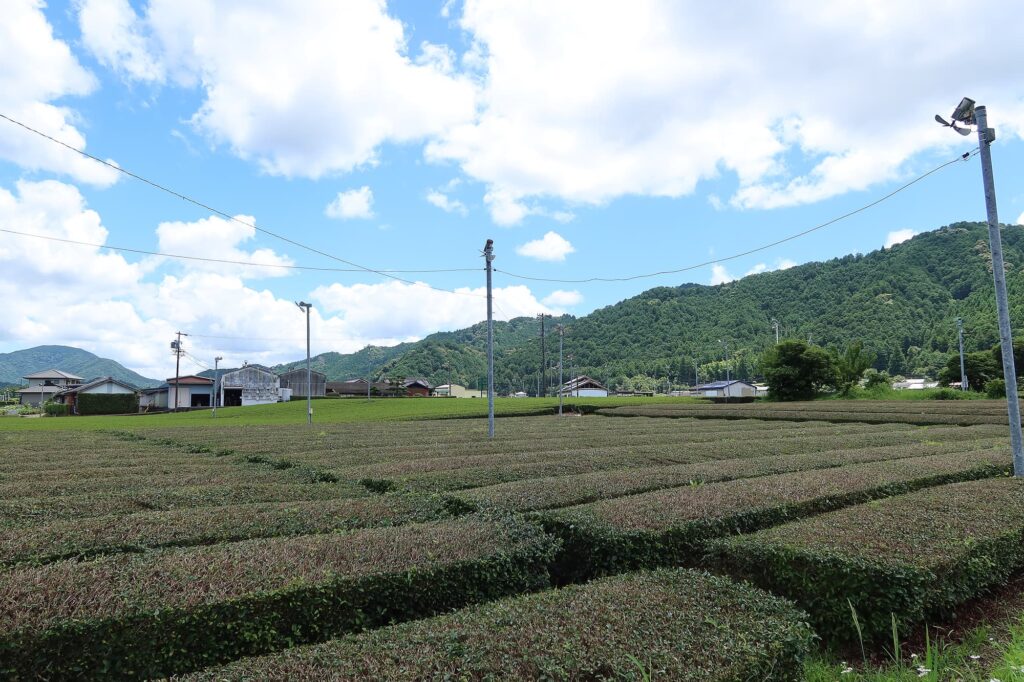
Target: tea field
x: 723, y: 543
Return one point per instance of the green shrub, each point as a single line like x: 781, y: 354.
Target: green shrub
x: 107, y: 403
x: 670, y: 527
x: 55, y: 409
x: 946, y: 394
x: 995, y: 388
x: 916, y: 556
x: 677, y: 625
x: 173, y: 611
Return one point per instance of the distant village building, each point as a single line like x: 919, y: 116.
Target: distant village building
x: 295, y: 380
x: 356, y: 388
x: 186, y: 391
x: 583, y: 387
x: 727, y: 389
x: 417, y: 388
x: 915, y: 384
x: 43, y: 386
x: 454, y: 391
x: 249, y: 385
x: 103, y: 385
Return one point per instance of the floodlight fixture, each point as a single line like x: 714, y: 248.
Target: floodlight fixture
x: 964, y: 113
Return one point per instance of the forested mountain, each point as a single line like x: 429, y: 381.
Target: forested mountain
x: 901, y: 302
x: 15, y: 365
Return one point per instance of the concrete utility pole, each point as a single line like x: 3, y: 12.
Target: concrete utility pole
x: 969, y: 114
x: 489, y: 258
x: 986, y: 136
x: 561, y: 380
x: 775, y: 323
x: 176, y: 346
x: 309, y: 374
x: 963, y: 371
x: 696, y: 373
x: 216, y: 381
x: 543, y: 389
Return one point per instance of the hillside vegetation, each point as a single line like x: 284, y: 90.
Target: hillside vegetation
x: 901, y: 302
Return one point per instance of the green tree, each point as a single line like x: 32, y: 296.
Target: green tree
x: 850, y: 366
x: 980, y: 368
x: 873, y: 378
x: 795, y: 370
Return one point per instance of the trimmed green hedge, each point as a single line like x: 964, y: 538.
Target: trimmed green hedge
x: 670, y: 527
x: 916, y: 556
x: 202, y: 526
x: 562, y: 491
x: 178, y: 610
x: 107, y: 403
x: 676, y: 625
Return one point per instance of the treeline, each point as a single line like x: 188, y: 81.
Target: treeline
x: 900, y: 303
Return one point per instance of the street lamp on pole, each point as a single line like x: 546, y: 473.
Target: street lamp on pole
x: 960, y: 335
x: 216, y: 381
x: 309, y: 373
x: 967, y: 114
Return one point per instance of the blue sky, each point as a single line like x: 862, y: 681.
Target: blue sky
x: 586, y: 140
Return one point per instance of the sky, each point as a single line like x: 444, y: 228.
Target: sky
x: 587, y: 139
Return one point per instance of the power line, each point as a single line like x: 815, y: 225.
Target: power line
x: 962, y: 157
x: 223, y: 214
x: 221, y: 260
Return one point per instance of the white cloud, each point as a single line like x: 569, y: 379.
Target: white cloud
x: 785, y: 264
x: 58, y: 293
x: 757, y: 269
x: 353, y: 203
x: 719, y: 275
x: 632, y: 102
x: 111, y: 31
x: 323, y: 107
x: 561, y: 299
x: 898, y: 236
x: 446, y: 203
x: 551, y: 247
x: 40, y: 69
x: 216, y: 237
x: 1020, y: 219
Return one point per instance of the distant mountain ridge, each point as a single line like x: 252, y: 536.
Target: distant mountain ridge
x: 16, y: 364
x: 901, y: 302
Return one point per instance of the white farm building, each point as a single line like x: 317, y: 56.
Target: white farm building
x: 583, y: 387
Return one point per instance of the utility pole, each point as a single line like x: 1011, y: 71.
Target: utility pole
x: 725, y: 345
x: 963, y: 371
x: 543, y: 390
x: 986, y: 136
x: 448, y: 366
x: 216, y: 381
x: 561, y: 379
x: 178, y: 351
x: 572, y: 376
x: 309, y: 374
x: 696, y: 373
x: 775, y: 323
x: 489, y: 258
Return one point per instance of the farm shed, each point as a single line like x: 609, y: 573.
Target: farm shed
x: 417, y: 388
x: 727, y: 389
x: 103, y: 385
x: 250, y: 385
x: 455, y: 391
x: 296, y: 381
x: 356, y: 388
x: 189, y: 391
x: 583, y: 387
